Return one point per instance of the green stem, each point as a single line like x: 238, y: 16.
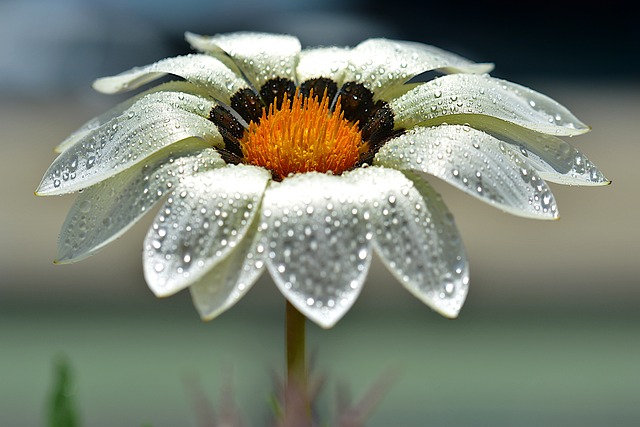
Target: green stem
x: 296, y: 348
x: 297, y: 403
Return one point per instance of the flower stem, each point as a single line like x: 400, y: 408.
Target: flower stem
x: 296, y: 348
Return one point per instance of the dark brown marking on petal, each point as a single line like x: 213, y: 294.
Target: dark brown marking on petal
x: 275, y: 90
x: 320, y: 86
x: 367, y: 157
x: 230, y: 129
x: 379, y: 125
x: 229, y: 157
x: 248, y: 105
x: 375, y: 119
x: 357, y: 102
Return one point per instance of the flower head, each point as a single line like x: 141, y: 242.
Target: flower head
x: 305, y: 162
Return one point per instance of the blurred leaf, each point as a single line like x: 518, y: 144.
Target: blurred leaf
x: 62, y: 412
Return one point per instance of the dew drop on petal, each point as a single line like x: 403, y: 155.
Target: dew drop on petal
x: 85, y: 206
x: 449, y: 289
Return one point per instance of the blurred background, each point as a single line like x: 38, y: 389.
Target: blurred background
x: 550, y: 331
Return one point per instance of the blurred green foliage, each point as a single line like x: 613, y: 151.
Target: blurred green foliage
x: 62, y: 412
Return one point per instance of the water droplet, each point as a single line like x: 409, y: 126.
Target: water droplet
x: 449, y: 289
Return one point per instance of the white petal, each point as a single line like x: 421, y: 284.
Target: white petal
x: 260, y: 56
x: 201, y: 223
x: 554, y: 159
x: 144, y: 129
x: 106, y: 210
x: 416, y: 238
x: 179, y: 94
x: 318, y: 248
x: 329, y: 62
x: 230, y: 279
x: 381, y: 64
x: 463, y: 94
x: 202, y: 70
x: 476, y: 163
x: 207, y: 45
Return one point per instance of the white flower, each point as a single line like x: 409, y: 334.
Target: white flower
x: 305, y: 162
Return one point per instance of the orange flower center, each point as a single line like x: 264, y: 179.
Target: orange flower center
x: 303, y: 135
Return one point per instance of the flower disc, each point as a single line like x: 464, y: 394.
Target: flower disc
x: 302, y: 135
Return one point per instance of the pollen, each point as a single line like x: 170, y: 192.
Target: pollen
x: 303, y: 134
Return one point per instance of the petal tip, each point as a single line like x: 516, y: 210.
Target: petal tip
x: 161, y: 293
x: 159, y: 290
x: 451, y: 315
x: 192, y: 39
x: 580, y: 128
x: 484, y: 67
x: 102, y: 85
x: 42, y: 189
x: 112, y: 85
x: 54, y: 189
x: 207, y: 312
x: 69, y: 257
x: 207, y: 317
x: 325, y: 318
x: 323, y: 322
x: 450, y: 311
